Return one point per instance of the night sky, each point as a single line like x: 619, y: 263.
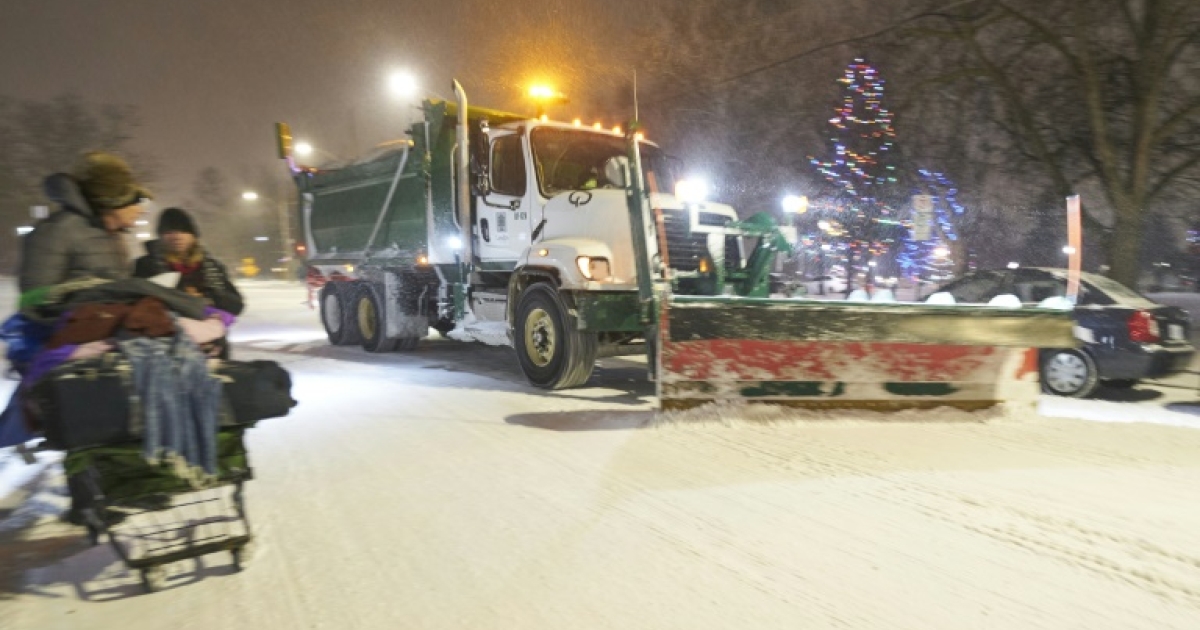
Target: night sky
x: 211, y: 77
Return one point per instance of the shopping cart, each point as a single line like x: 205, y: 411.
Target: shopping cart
x: 152, y: 516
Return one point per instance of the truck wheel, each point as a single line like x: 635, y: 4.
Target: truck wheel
x: 1070, y: 373
x: 370, y: 314
x: 444, y: 326
x: 552, y: 352
x: 336, y: 315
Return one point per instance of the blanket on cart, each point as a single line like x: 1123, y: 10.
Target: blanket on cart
x: 122, y: 473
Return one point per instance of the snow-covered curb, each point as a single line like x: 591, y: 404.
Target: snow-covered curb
x: 1108, y: 411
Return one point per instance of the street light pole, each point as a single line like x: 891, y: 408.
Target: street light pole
x: 285, y: 239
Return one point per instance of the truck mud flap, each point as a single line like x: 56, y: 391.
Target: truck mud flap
x: 819, y: 354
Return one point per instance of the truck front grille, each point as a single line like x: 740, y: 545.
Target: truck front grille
x: 685, y: 249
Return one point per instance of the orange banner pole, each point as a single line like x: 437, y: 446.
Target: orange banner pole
x: 1074, y: 247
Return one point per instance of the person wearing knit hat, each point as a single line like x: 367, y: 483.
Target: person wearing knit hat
x: 178, y: 250
x: 85, y: 239
x: 99, y: 202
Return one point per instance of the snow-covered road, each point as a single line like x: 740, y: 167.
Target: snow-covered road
x: 437, y: 490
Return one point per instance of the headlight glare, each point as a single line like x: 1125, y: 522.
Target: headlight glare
x: 594, y: 267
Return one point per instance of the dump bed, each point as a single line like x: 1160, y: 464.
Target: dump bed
x: 394, y: 206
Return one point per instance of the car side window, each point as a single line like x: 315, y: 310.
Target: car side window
x: 508, y: 166
x: 975, y: 289
x: 1032, y: 288
x: 1089, y: 295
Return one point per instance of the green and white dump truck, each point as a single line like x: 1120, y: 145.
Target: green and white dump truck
x: 501, y: 228
x: 560, y: 240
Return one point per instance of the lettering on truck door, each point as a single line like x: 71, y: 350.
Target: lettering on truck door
x: 502, y: 219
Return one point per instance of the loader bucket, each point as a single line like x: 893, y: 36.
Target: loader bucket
x: 822, y: 354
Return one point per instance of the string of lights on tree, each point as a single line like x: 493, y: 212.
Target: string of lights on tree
x: 858, y: 165
x: 932, y: 259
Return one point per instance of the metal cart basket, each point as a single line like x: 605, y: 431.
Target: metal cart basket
x: 152, y: 516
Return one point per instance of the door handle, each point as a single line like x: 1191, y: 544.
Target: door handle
x: 484, y: 231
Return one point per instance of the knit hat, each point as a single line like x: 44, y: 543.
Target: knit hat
x: 176, y: 220
x: 107, y: 183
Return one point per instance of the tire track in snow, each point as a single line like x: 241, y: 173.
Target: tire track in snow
x: 1087, y: 547
x: 1173, y: 581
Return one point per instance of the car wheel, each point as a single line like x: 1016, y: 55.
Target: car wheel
x: 1070, y: 373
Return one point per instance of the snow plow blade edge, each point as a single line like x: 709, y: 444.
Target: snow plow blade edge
x: 820, y: 354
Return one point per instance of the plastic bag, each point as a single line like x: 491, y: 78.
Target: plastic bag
x: 24, y: 338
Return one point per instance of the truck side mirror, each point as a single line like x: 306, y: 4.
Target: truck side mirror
x: 481, y: 180
x: 616, y: 171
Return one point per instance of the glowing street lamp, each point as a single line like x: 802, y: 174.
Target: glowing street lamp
x: 545, y: 95
x: 404, y: 84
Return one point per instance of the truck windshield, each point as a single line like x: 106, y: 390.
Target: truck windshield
x: 573, y: 159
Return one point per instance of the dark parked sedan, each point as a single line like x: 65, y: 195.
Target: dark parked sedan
x: 1126, y: 336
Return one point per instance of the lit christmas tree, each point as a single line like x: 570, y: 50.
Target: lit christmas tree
x: 859, y: 167
x: 933, y: 259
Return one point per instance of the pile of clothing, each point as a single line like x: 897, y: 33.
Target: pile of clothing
x: 123, y: 364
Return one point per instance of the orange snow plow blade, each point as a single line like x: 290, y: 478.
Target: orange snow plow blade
x: 823, y: 354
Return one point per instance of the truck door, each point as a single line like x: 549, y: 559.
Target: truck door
x: 501, y: 217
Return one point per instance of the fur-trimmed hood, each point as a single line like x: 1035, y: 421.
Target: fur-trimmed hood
x: 62, y: 189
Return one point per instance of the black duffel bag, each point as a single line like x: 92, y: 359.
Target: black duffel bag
x: 85, y: 403
x: 255, y: 390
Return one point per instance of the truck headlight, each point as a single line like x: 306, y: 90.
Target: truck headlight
x: 594, y: 267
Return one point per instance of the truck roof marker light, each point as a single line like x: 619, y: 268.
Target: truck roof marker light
x: 597, y: 126
x: 577, y: 122
x: 543, y: 118
x: 349, y: 268
x: 617, y: 130
x: 422, y: 260
x: 639, y: 136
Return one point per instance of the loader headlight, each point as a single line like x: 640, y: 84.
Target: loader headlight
x: 691, y: 191
x: 594, y: 267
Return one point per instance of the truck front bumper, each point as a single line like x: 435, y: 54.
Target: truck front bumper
x: 608, y: 311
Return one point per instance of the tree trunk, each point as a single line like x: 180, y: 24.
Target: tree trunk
x: 1124, y: 250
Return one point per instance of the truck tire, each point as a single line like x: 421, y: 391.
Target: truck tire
x: 370, y: 316
x: 552, y: 352
x: 444, y: 326
x: 336, y: 314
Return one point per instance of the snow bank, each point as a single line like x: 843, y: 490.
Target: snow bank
x: 733, y: 413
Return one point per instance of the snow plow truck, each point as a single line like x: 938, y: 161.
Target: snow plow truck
x: 572, y: 243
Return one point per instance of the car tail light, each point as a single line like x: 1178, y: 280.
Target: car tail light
x: 1143, y: 328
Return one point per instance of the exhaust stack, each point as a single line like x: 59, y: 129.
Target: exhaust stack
x: 462, y: 173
